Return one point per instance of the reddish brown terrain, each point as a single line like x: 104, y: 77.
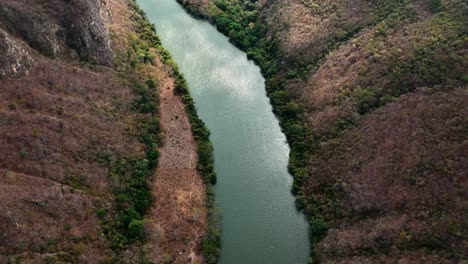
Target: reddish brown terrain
x: 55, y: 123
x: 408, y: 199
x: 179, y: 215
x: 67, y: 115
x: 380, y: 91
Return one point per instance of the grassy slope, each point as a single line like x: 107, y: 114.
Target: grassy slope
x: 336, y: 73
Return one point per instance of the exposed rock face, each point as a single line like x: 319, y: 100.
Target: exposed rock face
x: 60, y: 28
x: 57, y: 119
x: 14, y: 59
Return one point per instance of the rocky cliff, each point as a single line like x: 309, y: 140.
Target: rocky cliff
x: 74, y: 29
x: 79, y: 135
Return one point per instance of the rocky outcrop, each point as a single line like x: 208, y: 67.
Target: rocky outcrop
x: 14, y: 59
x: 60, y: 28
x: 63, y: 127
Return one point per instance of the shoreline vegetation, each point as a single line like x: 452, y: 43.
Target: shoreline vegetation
x: 243, y: 23
x: 124, y: 227
x: 288, y: 112
x: 370, y: 96
x: 244, y: 27
x: 147, y: 33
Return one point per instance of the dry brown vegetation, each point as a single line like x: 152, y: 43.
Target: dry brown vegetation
x: 179, y: 215
x: 379, y: 108
x: 57, y: 122
x: 69, y: 119
x: 399, y: 180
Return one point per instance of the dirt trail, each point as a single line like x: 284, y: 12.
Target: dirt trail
x: 178, y: 213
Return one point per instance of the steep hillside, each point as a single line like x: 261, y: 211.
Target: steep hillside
x: 80, y: 137
x: 372, y: 97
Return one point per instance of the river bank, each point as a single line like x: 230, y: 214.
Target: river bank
x: 179, y: 215
x: 259, y: 221
x: 183, y: 223
x: 96, y: 117
x: 341, y: 78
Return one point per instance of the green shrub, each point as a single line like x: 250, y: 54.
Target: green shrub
x: 136, y: 229
x: 318, y: 227
x: 23, y: 153
x: 151, y: 84
x: 133, y: 196
x: 76, y: 181
x: 465, y: 78
x: 101, y: 212
x: 210, y: 252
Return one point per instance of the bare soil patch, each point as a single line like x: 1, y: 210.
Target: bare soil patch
x: 178, y: 215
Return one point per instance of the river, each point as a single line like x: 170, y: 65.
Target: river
x: 260, y: 224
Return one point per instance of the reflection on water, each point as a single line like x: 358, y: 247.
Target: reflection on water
x: 259, y: 221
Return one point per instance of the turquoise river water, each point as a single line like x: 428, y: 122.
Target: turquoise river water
x: 260, y: 224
